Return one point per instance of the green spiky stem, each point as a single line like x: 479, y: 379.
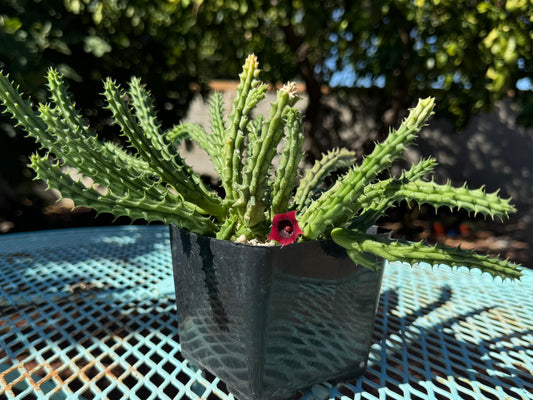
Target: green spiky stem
x: 249, y: 92
x: 176, y: 135
x: 23, y: 113
x: 103, y: 164
x: 381, y: 202
x: 357, y: 242
x: 262, y: 153
x: 206, y: 141
x: 73, y: 152
x: 62, y: 132
x: 216, y: 113
x: 80, y: 148
x: 168, y: 208
x: 288, y: 167
x: 170, y: 163
x: 227, y: 228
x: 256, y: 128
x: 145, y: 137
x: 330, y: 162
x: 389, y: 192
x: 335, y: 207
x: 124, y: 160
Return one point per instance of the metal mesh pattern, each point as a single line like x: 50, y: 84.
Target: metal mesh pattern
x: 89, y: 314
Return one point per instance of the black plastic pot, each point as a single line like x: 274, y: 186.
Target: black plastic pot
x: 269, y: 321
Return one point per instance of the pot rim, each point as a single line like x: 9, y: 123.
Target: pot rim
x: 373, y: 230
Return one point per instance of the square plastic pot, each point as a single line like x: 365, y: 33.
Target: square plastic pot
x: 269, y: 321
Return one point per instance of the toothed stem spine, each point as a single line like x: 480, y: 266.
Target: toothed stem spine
x: 234, y: 137
x: 330, y: 162
x: 381, y: 203
x: 417, y: 252
x: 288, y: 167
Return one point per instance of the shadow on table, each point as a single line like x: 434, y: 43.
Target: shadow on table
x: 62, y: 263
x: 84, y: 313
x: 436, y: 361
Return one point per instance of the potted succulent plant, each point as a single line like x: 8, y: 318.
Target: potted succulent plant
x: 277, y: 280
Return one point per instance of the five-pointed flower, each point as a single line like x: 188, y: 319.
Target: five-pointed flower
x: 285, y: 229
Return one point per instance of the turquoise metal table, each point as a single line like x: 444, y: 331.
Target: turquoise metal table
x: 89, y: 314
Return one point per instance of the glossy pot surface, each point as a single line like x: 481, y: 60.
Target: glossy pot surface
x: 269, y: 321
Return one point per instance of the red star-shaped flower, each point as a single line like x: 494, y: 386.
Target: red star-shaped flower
x: 285, y: 229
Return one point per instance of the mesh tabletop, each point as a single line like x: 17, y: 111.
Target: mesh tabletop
x: 89, y: 313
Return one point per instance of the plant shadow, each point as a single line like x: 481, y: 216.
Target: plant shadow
x: 453, y: 358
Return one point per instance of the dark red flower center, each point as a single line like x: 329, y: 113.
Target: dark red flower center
x: 286, y: 229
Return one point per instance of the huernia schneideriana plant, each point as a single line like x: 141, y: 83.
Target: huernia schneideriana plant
x: 154, y: 183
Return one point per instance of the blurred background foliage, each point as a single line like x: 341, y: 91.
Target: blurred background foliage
x: 468, y: 54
